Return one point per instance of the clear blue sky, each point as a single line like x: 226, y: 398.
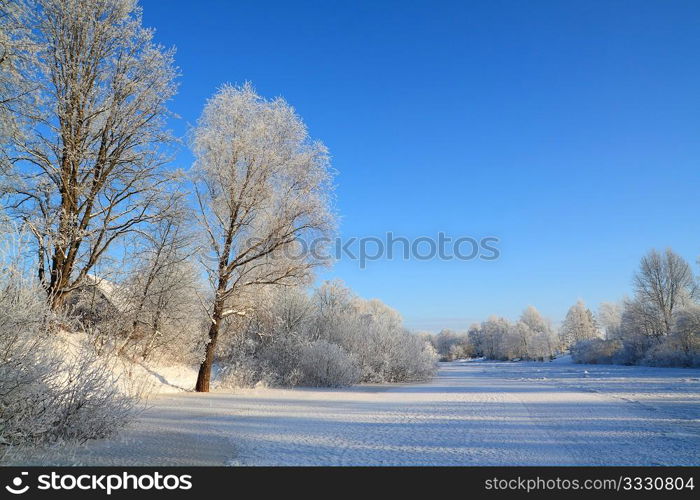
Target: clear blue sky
x: 568, y: 129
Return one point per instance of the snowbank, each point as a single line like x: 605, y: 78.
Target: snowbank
x: 150, y: 378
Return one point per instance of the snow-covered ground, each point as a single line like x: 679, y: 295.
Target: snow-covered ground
x: 472, y: 413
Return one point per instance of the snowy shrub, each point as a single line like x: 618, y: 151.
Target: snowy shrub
x: 50, y: 389
x: 460, y: 351
x: 385, y: 351
x: 451, y: 345
x: 412, y: 359
x: 90, y: 401
x: 682, y: 346
x: 327, y: 365
x: 290, y: 362
x: 596, y: 351
x: 669, y: 352
x: 686, y: 334
x: 246, y: 372
x: 281, y: 359
x: 332, y: 339
x: 255, y: 354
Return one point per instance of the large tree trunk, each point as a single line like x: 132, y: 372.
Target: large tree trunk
x: 217, y: 314
x: 57, y: 298
x: 204, y: 375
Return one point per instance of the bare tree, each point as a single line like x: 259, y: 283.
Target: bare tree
x: 664, y: 281
x: 89, y: 170
x: 263, y: 189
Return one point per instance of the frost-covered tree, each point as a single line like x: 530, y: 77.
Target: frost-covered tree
x: 332, y: 302
x: 263, y: 189
x: 543, y: 341
x: 687, y: 333
x: 293, y: 310
x: 664, y: 286
x: 610, y: 318
x: 523, y: 336
x: 160, y: 299
x: 452, y: 345
x: 495, y: 337
x: 88, y: 171
x: 444, y: 341
x: 663, y: 283
x: 531, y: 337
x: 578, y: 325
x: 476, y: 339
x: 374, y: 334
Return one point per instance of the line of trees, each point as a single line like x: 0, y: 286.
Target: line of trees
x: 659, y: 325
x: 530, y: 338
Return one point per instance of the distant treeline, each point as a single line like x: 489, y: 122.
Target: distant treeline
x: 659, y: 325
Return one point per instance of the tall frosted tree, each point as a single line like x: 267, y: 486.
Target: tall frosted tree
x: 264, y: 193
x: 663, y: 283
x: 542, y: 343
x: 88, y: 171
x: 578, y: 325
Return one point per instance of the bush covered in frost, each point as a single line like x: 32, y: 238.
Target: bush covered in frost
x: 50, y: 389
x: 595, y: 351
x: 332, y: 339
x: 324, y: 364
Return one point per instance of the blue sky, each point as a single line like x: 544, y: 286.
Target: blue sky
x: 569, y: 130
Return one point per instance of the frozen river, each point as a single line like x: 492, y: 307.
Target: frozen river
x: 471, y: 413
